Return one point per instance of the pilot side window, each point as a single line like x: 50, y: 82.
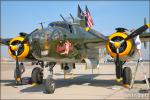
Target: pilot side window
x: 56, y: 35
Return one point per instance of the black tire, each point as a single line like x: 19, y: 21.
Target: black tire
x: 50, y: 85
x: 74, y: 66
x: 127, y: 75
x: 37, y: 75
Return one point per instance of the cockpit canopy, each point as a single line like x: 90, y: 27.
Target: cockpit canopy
x: 67, y: 24
x: 62, y: 24
x: 50, y: 33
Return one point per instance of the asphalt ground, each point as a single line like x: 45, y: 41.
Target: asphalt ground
x: 85, y: 85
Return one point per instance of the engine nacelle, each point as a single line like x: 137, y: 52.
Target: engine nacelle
x: 23, y: 49
x: 126, y: 49
x: 91, y: 63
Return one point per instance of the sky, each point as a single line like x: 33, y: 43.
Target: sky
x: 25, y: 16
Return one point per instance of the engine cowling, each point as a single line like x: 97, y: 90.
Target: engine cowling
x: 23, y: 50
x: 126, y: 49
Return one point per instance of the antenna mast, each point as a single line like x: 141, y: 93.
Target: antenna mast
x: 62, y: 17
x: 72, y: 17
x: 41, y: 25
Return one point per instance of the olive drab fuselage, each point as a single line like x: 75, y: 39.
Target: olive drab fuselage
x: 61, y: 42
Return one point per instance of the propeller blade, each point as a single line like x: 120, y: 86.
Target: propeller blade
x: 5, y: 41
x: 112, y: 42
x: 138, y: 31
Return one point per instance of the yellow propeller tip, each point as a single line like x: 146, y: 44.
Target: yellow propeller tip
x: 148, y: 25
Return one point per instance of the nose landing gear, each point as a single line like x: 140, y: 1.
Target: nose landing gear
x: 50, y: 82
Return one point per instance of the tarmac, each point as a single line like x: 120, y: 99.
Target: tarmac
x: 85, y: 85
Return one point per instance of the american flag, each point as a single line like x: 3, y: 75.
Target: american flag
x: 88, y: 18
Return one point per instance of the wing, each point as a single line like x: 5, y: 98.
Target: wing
x: 21, y: 34
x: 96, y: 42
x: 5, y: 41
x: 145, y: 37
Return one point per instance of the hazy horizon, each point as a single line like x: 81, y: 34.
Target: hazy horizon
x: 145, y: 52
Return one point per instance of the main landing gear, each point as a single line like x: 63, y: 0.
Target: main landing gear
x: 37, y: 73
x: 37, y: 76
x: 123, y: 74
x: 50, y: 82
x: 127, y: 76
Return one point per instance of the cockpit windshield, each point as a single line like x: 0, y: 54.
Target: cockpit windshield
x: 62, y: 24
x: 48, y: 34
x: 41, y: 33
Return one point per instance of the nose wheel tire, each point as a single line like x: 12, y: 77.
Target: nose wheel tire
x: 37, y: 75
x: 127, y: 76
x: 50, y: 85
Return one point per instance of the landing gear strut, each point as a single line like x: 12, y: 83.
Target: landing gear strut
x: 17, y: 72
x: 17, y: 76
x: 118, y: 70
x: 123, y: 74
x: 50, y: 82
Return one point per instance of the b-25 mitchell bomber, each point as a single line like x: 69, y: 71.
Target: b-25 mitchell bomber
x: 68, y: 42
